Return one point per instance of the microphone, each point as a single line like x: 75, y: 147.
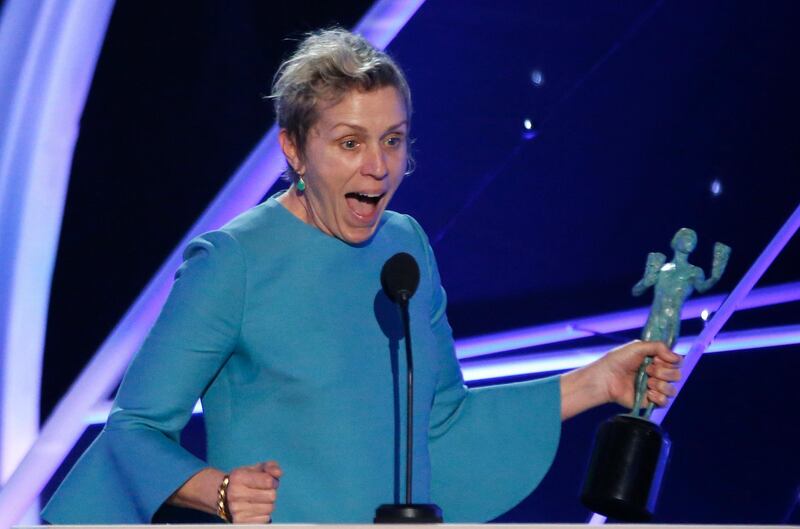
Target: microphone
x: 400, y: 279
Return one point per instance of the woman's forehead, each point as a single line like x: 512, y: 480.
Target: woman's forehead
x: 368, y: 111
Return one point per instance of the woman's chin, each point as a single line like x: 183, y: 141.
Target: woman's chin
x: 357, y: 236
x: 357, y: 228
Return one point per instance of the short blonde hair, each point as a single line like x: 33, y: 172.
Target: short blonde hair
x: 326, y: 65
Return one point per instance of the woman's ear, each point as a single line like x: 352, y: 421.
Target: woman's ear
x: 291, y: 152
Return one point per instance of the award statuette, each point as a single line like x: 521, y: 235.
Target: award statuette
x: 630, y: 451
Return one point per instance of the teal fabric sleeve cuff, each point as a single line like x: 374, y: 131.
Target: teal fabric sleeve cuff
x: 137, y: 461
x: 125, y: 476
x: 494, y: 449
x: 506, y: 435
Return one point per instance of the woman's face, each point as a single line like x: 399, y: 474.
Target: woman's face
x: 353, y: 162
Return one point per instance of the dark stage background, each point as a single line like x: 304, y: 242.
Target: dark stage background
x: 637, y: 108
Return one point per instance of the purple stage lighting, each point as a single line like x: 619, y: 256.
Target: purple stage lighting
x: 562, y: 360
x: 610, y: 323
x: 48, y: 52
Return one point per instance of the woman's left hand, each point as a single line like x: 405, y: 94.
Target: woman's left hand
x: 612, y: 378
x: 621, y: 365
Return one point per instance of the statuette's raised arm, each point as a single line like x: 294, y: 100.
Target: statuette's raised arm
x: 655, y: 260
x: 722, y: 253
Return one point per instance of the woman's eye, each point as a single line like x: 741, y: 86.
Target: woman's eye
x: 394, y: 141
x: 349, y: 144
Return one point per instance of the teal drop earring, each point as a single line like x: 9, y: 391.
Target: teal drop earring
x: 301, y: 184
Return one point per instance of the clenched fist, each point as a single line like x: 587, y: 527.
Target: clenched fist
x: 252, y: 492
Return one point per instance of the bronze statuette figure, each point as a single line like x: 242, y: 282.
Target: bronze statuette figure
x: 630, y: 451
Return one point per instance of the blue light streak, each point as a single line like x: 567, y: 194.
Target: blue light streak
x: 562, y: 360
x: 48, y: 53
x: 613, y: 322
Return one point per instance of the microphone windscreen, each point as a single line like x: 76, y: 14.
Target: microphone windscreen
x: 400, y: 276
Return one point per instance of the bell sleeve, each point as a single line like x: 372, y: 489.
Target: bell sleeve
x: 490, y: 446
x: 136, y: 462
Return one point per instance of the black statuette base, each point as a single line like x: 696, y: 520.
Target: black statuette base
x: 626, y: 468
x: 408, y: 513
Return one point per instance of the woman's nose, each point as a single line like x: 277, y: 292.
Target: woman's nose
x: 375, y: 163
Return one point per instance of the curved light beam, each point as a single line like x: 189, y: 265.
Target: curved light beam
x: 567, y: 330
x: 48, y: 53
x: 562, y: 360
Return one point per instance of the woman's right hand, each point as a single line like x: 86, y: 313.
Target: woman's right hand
x: 250, y: 495
x: 252, y: 492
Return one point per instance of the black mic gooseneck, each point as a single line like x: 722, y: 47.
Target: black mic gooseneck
x: 403, y: 302
x: 400, y: 278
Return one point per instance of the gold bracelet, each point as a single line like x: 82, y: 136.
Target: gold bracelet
x: 222, y: 499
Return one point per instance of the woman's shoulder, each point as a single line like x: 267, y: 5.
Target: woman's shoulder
x: 252, y: 222
x: 401, y: 230
x: 235, y: 242
x: 403, y: 224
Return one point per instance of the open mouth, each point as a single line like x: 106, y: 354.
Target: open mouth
x: 363, y: 197
x: 364, y: 205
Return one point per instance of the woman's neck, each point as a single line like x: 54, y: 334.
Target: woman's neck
x: 296, y: 205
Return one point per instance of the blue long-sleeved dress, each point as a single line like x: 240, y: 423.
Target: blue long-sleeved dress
x: 286, y: 336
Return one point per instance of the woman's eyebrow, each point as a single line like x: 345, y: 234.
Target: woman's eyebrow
x: 359, y: 128
x: 397, y: 126
x: 350, y: 126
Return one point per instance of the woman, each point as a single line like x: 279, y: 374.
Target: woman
x: 276, y: 321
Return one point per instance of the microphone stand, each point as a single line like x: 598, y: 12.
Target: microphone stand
x: 408, y: 512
